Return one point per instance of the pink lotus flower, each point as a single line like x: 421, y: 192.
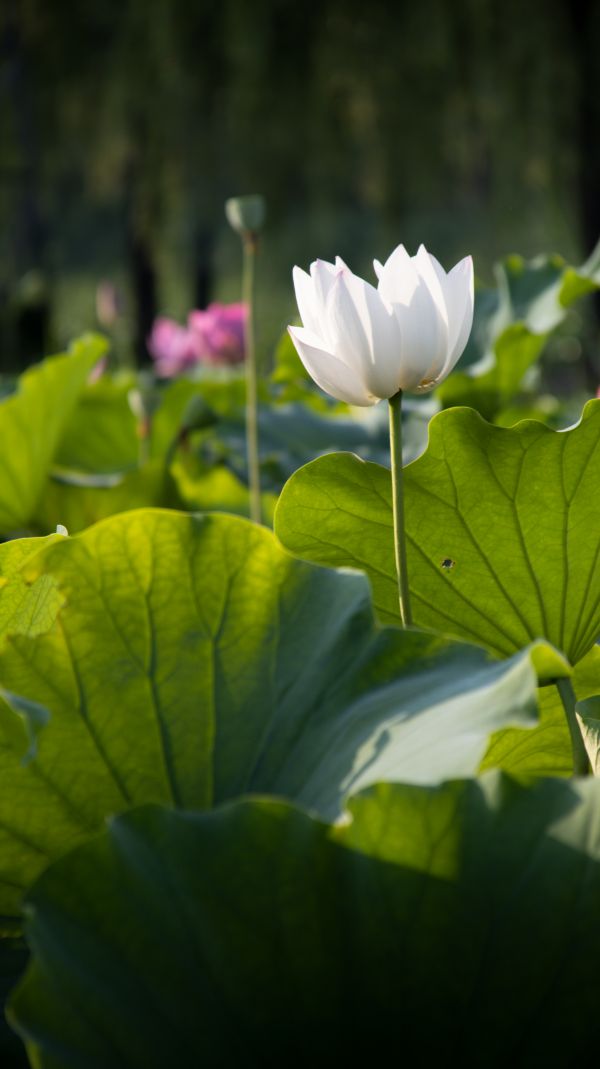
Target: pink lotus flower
x: 220, y: 331
x: 173, y: 347
x: 214, y: 336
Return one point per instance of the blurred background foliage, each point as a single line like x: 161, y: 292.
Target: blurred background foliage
x: 471, y: 126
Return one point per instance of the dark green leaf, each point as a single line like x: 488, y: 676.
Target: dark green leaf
x: 194, y: 661
x: 32, y: 422
x: 460, y: 922
x: 511, y: 327
x: 545, y: 750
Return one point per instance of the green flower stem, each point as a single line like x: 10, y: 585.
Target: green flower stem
x: 250, y: 243
x: 581, y: 764
x: 395, y: 410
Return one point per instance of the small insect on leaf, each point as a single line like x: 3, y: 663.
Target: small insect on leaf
x: 447, y: 564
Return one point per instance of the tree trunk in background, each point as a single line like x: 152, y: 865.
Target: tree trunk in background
x: 28, y: 317
x: 586, y: 25
x: 143, y: 282
x: 585, y: 18
x: 203, y: 266
x: 142, y: 270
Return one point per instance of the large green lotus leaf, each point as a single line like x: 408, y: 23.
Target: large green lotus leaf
x: 195, y: 661
x: 546, y: 749
x: 204, y: 488
x: 32, y: 421
x: 26, y: 608
x: 292, y: 431
x: 503, y: 529
x: 456, y: 921
x: 292, y: 434
x: 175, y: 399
x: 492, y: 385
x: 511, y: 326
x: 588, y: 713
x: 77, y: 500
x: 100, y: 435
x: 100, y: 467
x: 537, y: 293
x: 590, y: 728
x: 216, y: 394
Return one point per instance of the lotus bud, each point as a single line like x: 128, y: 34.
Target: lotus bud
x: 246, y: 215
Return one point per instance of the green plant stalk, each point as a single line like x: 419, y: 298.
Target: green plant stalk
x: 581, y: 764
x: 250, y: 242
x: 144, y: 442
x: 395, y: 411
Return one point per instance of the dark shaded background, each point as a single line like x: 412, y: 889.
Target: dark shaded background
x: 472, y: 126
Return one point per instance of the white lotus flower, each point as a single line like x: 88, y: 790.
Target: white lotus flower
x: 361, y: 344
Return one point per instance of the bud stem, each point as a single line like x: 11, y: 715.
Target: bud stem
x: 395, y: 411
x: 250, y: 243
x: 581, y: 764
